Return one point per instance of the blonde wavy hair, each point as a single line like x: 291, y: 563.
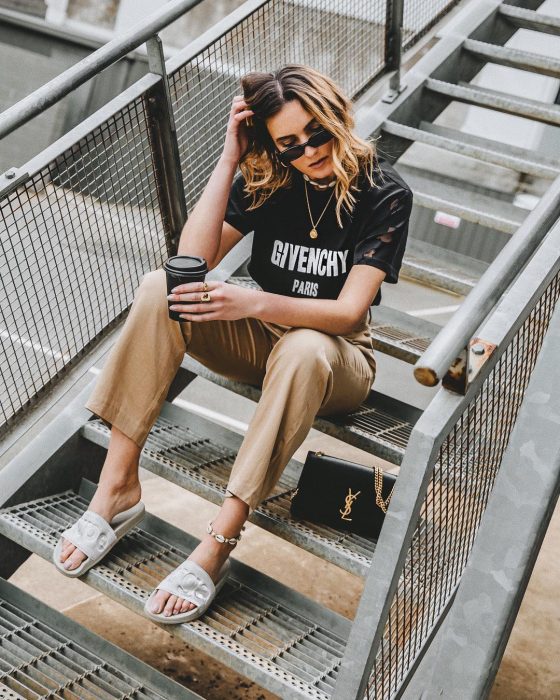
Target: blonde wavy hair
x: 265, y: 94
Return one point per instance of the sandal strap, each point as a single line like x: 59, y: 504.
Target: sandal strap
x: 222, y: 538
x: 190, y: 582
x: 91, y: 534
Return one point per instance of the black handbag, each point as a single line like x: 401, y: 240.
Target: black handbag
x: 342, y: 494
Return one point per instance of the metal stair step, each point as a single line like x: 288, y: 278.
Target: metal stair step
x: 381, y: 425
x: 530, y: 19
x: 441, y: 268
x: 514, y: 58
x: 273, y: 635
x: 478, y: 208
x: 393, y: 332
x: 487, y: 150
x: 197, y: 455
x: 44, y: 654
x: 500, y: 101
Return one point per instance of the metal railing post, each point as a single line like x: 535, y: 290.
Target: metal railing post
x: 393, y: 47
x: 165, y: 148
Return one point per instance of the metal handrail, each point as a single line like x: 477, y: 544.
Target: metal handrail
x: 455, y: 335
x: 57, y: 88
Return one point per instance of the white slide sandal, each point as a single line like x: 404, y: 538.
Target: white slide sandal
x: 95, y: 537
x: 191, y: 582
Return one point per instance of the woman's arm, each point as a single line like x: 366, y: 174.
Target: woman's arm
x: 231, y: 301
x: 335, y: 316
x: 203, y: 229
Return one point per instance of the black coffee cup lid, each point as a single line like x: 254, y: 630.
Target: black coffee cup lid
x: 185, y: 263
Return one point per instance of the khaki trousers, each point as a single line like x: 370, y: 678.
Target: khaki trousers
x: 303, y: 373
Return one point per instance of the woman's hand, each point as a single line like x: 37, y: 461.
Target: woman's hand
x: 228, y: 302
x: 237, y: 137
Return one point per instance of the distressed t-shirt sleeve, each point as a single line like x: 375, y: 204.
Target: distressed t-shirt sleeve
x: 236, y: 209
x: 382, y: 241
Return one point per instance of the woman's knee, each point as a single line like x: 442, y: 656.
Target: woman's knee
x: 301, y: 348
x: 153, y: 288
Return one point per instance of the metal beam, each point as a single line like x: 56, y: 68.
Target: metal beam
x: 49, y: 93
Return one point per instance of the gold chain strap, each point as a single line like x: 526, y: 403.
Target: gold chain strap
x: 383, y: 504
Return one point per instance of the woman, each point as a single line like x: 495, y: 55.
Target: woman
x: 330, y: 224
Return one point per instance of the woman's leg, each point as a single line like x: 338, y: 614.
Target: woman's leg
x: 134, y: 382
x: 308, y: 373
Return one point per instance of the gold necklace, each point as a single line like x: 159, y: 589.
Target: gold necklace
x: 313, y: 233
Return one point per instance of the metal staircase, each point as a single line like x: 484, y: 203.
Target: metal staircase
x: 285, y: 641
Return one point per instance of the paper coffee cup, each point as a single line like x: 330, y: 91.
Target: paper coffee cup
x: 180, y: 269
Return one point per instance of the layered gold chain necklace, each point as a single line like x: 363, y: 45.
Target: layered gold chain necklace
x: 313, y: 233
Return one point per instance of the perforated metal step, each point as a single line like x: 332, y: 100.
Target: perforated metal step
x: 197, y: 455
x: 438, y: 267
x: 44, y: 654
x: 393, y: 332
x: 262, y: 629
x: 381, y: 425
x: 478, y: 208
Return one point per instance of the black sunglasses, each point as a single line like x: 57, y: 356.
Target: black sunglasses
x: 294, y: 152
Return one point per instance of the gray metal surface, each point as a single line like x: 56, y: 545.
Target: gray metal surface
x: 500, y: 101
x: 470, y: 644
x: 58, y: 87
x: 449, y: 471
x: 380, y: 425
x: 273, y: 635
x: 483, y: 209
x: 530, y: 19
x: 513, y: 58
x: 486, y: 150
x: 44, y: 654
x: 436, y: 267
x: 393, y: 332
x: 197, y: 455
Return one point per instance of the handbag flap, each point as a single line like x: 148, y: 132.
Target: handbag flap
x: 340, y: 493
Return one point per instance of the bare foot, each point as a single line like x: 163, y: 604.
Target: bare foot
x: 210, y: 555
x: 109, y: 499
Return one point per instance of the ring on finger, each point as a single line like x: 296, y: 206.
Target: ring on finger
x: 205, y: 296
x: 205, y: 286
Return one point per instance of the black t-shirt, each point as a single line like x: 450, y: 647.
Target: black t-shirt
x: 286, y: 260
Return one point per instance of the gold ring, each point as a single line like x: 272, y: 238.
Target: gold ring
x: 205, y: 286
x: 205, y: 297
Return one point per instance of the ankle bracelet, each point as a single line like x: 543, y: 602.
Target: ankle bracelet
x: 222, y: 538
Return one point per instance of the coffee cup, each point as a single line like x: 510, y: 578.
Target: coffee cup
x: 180, y: 269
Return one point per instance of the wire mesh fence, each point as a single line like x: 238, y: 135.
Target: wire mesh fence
x: 77, y: 236
x: 461, y: 482
x: 76, y: 239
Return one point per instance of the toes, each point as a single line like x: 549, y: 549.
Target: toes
x: 160, y: 599
x: 168, y: 609
x: 74, y: 560
x: 66, y: 550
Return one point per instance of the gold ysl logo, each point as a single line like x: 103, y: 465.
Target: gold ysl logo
x: 348, y: 503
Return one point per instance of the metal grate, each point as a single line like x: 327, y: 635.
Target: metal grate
x: 202, y: 465
x: 75, y: 239
x: 261, y: 632
x: 462, y: 480
x: 419, y: 17
x: 37, y: 661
